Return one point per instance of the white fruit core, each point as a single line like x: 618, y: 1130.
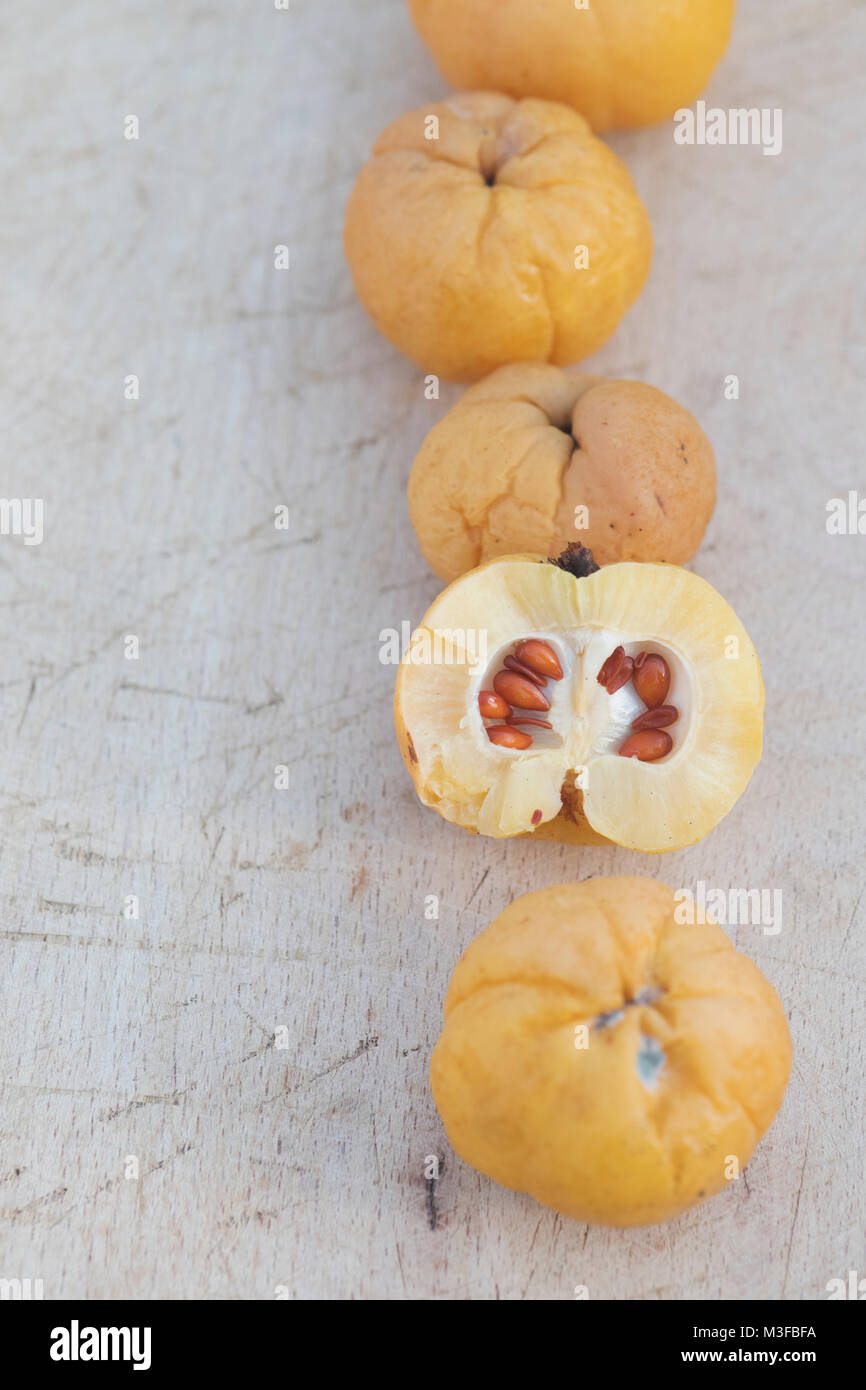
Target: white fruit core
x: 579, y: 704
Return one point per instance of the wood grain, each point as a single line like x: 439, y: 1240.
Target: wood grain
x: 257, y: 1039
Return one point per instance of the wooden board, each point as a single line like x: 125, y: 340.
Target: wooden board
x: 257, y: 1038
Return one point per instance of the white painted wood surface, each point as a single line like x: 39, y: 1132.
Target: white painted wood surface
x: 297, y: 917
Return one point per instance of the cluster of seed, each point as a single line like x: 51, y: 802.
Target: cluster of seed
x: 520, y: 686
x: 651, y: 677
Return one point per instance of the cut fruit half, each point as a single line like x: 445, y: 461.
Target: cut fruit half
x: 584, y: 777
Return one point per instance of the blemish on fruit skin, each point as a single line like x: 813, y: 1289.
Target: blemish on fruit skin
x: 643, y: 999
x: 649, y: 1061
x: 661, y: 504
x: 605, y: 1020
x: 413, y: 756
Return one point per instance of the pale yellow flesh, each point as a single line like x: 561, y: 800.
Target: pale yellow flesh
x: 646, y: 806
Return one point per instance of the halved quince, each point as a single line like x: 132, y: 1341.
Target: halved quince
x: 671, y: 642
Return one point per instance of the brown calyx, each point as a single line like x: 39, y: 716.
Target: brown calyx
x: 577, y: 560
x: 571, y: 796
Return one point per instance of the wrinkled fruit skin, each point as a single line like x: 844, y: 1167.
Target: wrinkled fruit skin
x: 462, y: 248
x: 621, y: 63
x: 580, y: 1129
x: 503, y: 471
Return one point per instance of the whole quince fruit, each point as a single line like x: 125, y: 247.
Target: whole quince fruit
x: 484, y: 231
x: 534, y: 457
x: 616, y: 1065
x: 573, y: 703
x: 621, y: 63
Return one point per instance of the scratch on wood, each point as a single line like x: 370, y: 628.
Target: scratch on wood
x: 182, y: 694
x: 364, y: 1045
x: 432, y: 1210
x: 27, y: 702
x: 13, y: 1213
x: 477, y: 887
x: 796, y: 1211
x: 68, y: 909
x: 851, y: 919
x: 172, y: 1099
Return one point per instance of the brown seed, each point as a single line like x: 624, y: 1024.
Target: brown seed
x: 616, y: 671
x: 525, y: 719
x: 652, y: 678
x: 536, y: 817
x: 611, y: 665
x: 492, y: 706
x: 519, y: 691
x: 658, y: 718
x: 621, y: 676
x: 514, y: 665
x: 647, y: 746
x: 506, y: 737
x: 539, y: 657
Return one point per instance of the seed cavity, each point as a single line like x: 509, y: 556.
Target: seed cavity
x: 651, y: 676
x: 520, y: 684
